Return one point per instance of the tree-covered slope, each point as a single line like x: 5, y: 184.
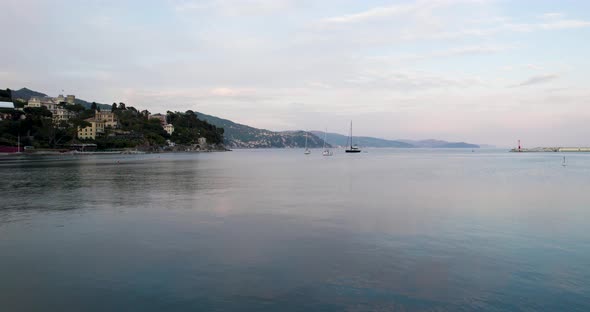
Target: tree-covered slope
x: 241, y: 136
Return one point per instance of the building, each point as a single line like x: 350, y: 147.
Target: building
x: 6, y: 104
x: 202, y: 142
x: 61, y: 114
x: 160, y: 117
x: 34, y: 102
x: 109, y: 118
x: 53, y: 105
x: 169, y: 128
x: 49, y: 102
x: 95, y: 129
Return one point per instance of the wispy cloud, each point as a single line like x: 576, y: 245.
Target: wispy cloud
x: 233, y: 7
x: 551, y: 15
x: 374, y: 13
x: 383, y: 12
x: 538, y: 80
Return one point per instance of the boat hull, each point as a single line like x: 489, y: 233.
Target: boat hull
x: 353, y: 151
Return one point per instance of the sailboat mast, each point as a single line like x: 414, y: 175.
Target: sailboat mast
x: 351, y: 134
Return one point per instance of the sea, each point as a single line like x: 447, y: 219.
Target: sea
x: 277, y: 230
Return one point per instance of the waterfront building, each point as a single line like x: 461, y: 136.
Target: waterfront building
x: 202, y: 143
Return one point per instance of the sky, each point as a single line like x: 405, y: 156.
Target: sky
x: 479, y: 71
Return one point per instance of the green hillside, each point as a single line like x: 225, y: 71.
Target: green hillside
x: 241, y: 136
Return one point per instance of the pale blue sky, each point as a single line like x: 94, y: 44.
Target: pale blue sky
x: 484, y: 71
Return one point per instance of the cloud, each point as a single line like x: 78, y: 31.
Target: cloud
x: 232, y: 92
x: 233, y: 7
x: 448, y: 53
x: 374, y: 13
x: 564, y: 24
x: 384, y: 12
x: 551, y: 15
x: 538, y: 80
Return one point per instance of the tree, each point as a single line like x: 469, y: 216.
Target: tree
x: 93, y: 106
x: 122, y: 106
x: 114, y: 107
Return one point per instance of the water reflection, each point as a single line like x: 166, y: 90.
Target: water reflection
x: 273, y: 230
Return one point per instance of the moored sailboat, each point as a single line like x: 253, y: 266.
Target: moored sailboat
x: 327, y: 151
x: 307, y: 151
x: 352, y: 148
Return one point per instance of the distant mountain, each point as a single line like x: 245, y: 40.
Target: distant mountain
x: 241, y: 136
x: 440, y: 144
x: 25, y: 94
x: 339, y: 139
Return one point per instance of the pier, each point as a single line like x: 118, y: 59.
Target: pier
x: 552, y: 149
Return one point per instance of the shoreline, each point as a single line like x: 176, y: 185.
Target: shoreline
x: 552, y: 150
x: 126, y: 152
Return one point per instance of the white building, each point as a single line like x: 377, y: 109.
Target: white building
x: 169, y: 128
x: 202, y: 142
x: 53, y: 105
x: 6, y: 104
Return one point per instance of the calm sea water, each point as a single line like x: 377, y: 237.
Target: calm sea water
x: 275, y: 230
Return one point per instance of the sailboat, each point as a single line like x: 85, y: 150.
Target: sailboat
x: 327, y: 151
x: 352, y: 148
x: 307, y: 151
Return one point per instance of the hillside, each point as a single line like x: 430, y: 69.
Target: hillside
x: 25, y: 94
x: 440, y: 144
x: 339, y: 139
x: 241, y: 136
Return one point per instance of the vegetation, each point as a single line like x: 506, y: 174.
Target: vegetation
x: 188, y: 128
x: 36, y: 128
x: 242, y: 136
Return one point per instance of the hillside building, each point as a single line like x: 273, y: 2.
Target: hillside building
x: 169, y: 128
x: 160, y: 117
x: 53, y: 105
x: 109, y: 118
x: 95, y: 129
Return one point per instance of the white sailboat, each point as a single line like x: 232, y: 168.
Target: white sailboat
x: 307, y: 151
x: 327, y: 151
